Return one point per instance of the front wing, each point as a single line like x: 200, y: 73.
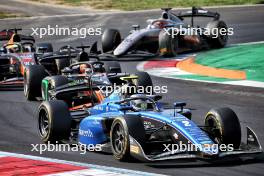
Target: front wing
x: 17, y: 82
x: 251, y: 147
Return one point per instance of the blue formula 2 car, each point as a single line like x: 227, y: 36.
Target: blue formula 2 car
x: 138, y: 127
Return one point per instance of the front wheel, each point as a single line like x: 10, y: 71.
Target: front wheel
x: 111, y: 38
x: 122, y: 128
x: 32, y: 81
x: 54, y: 121
x: 223, y: 126
x: 168, y: 43
x: 220, y: 40
x: 144, y: 83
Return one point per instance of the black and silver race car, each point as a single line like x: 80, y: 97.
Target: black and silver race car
x: 67, y: 60
x: 159, y: 35
x: 76, y: 71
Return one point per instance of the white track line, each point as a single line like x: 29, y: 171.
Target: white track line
x: 96, y: 168
x: 170, y: 72
x: 88, y: 172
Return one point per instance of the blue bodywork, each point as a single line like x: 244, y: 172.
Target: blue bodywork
x: 91, y: 129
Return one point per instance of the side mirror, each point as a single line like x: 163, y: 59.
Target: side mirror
x: 136, y: 27
x: 178, y: 104
x: 41, y: 49
x: 114, y: 69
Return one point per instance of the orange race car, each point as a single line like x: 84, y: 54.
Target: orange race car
x: 16, y: 53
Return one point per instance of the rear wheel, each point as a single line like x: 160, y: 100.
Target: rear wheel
x: 223, y: 126
x: 111, y: 38
x: 121, y: 129
x: 220, y: 40
x: 168, y: 44
x: 144, y: 83
x: 32, y: 81
x: 54, y: 121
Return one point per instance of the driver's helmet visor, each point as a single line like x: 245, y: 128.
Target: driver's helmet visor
x: 160, y: 23
x: 139, y: 105
x: 14, y: 48
x: 88, y: 71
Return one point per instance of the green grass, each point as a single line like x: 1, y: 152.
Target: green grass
x: 6, y: 15
x: 152, y: 4
x: 248, y: 58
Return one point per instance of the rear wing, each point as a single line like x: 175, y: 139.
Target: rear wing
x: 7, y: 34
x: 22, y: 38
x: 199, y: 12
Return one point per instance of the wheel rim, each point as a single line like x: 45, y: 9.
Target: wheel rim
x: 118, y: 139
x: 43, y: 123
x: 213, y: 129
x: 25, y: 85
x: 223, y: 38
x: 116, y: 41
x: 43, y: 93
x: 174, y: 46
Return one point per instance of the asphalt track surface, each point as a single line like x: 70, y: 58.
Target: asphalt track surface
x: 29, y: 8
x: 17, y: 116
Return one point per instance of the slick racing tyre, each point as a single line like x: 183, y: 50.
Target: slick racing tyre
x: 111, y: 38
x: 220, y: 40
x: 168, y: 44
x: 40, y: 46
x: 33, y: 76
x: 223, y: 126
x: 54, y: 121
x: 144, y: 81
x: 121, y: 130
x: 52, y: 83
x: 62, y: 63
x: 112, y: 67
